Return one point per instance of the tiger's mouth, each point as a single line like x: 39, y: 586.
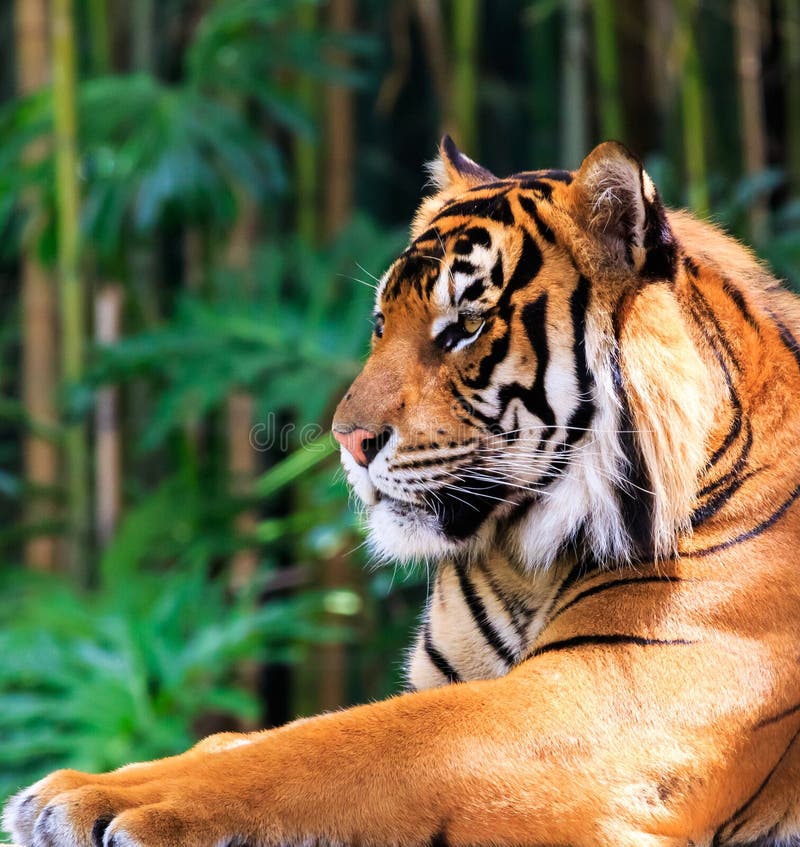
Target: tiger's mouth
x: 455, y: 516
x: 449, y: 516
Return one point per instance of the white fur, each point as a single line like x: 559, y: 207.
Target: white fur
x: 455, y: 633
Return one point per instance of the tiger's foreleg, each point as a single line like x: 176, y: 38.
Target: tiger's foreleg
x: 540, y: 757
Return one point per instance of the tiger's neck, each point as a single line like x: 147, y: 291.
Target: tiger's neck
x: 482, y: 619
x: 752, y: 473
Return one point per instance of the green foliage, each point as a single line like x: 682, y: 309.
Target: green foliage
x: 155, y: 154
x: 243, y: 48
x: 94, y: 680
x: 151, y: 154
x: 292, y: 334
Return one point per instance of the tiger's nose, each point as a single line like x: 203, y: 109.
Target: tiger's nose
x: 362, y: 444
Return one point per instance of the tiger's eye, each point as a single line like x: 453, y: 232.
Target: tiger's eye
x: 471, y: 325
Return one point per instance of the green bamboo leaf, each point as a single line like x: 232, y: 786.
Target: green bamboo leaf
x: 298, y: 463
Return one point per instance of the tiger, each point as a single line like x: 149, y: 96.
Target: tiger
x: 579, y: 412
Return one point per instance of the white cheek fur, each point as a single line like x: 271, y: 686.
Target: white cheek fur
x: 359, y: 480
x: 406, y: 538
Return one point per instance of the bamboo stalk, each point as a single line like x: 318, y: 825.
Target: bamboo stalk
x: 240, y: 407
x: 70, y: 283
x: 99, y: 41
x: 790, y: 25
x: 340, y: 131
x: 465, y: 73
x: 306, y: 170
x: 108, y: 303
x: 692, y: 107
x: 754, y: 142
x: 340, y: 142
x: 39, y: 379
x: 434, y: 43
x: 574, y: 132
x: 108, y: 448
x: 143, y: 49
x: 542, y: 58
x: 663, y: 65
x: 607, y: 62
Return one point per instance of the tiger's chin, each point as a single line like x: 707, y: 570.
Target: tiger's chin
x: 405, y: 532
x: 408, y: 532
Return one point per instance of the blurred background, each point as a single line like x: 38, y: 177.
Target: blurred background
x: 195, y: 200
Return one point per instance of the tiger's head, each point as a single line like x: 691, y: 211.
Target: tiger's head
x: 531, y: 380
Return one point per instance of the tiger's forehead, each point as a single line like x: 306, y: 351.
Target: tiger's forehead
x: 456, y: 270
x: 459, y: 263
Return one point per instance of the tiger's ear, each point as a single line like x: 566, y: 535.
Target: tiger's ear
x: 450, y: 172
x: 453, y: 169
x: 616, y: 202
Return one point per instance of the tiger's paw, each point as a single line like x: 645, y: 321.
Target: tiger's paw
x: 24, y: 809
x: 69, y: 809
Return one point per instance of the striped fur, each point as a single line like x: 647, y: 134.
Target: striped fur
x: 584, y: 417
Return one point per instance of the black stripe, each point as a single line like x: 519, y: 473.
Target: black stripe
x: 415, y: 269
x: 497, y: 352
x: 495, y: 208
x: 579, y: 571
x: 708, y: 313
x: 439, y: 838
x: 478, y: 235
x: 736, y: 405
x: 480, y: 616
x: 690, y: 266
x: 736, y: 408
x: 469, y: 414
x: 558, y: 462
x: 511, y: 606
x: 751, y: 533
x: 732, y: 482
x: 463, y: 246
x: 582, y: 416
x: 558, y: 175
x: 427, y: 463
x: 534, y: 320
x: 504, y: 184
x: 717, y: 841
x: 730, y: 475
x: 786, y: 713
x: 534, y: 184
x: 473, y: 291
x: 741, y: 304
x: 608, y: 640
x: 530, y: 207
x: 634, y: 493
x: 462, y: 266
x: 441, y: 664
x: 554, y: 174
x: 788, y: 339
x: 496, y: 274
x: 527, y: 268
x: 661, y: 249
x: 431, y: 234
x: 606, y: 586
